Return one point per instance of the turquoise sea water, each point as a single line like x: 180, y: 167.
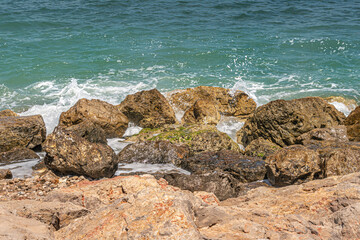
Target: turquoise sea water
x: 54, y: 52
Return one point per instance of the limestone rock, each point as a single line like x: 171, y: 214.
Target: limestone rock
x: 14, y: 227
x: 320, y: 209
x: 283, y: 121
x: 102, y: 114
x: 17, y: 153
x: 148, y: 109
x: 203, y: 112
x: 236, y: 103
x: 154, y: 152
x: 7, y: 113
x: 68, y: 153
x: 352, y: 123
x: 293, y: 164
x: 5, y: 174
x: 27, y: 132
x: 261, y: 148
x: 241, y: 167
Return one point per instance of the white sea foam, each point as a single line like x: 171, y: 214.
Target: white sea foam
x: 230, y: 125
x: 21, y: 169
x: 117, y: 144
x: 132, y: 130
x: 346, y: 109
x: 149, y: 168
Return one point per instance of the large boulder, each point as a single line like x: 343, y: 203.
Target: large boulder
x: 297, y: 164
x: 27, y: 132
x: 203, y: 112
x: 69, y: 153
x: 336, y: 134
x: 148, y: 109
x: 16, y: 154
x: 352, y: 123
x: 154, y: 152
x: 102, y: 114
x: 199, y: 138
x: 228, y: 102
x: 7, y: 113
x: 321, y: 209
x: 261, y: 148
x: 239, y: 166
x: 283, y: 121
x: 90, y: 131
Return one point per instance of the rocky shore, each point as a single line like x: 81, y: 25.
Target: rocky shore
x: 292, y: 173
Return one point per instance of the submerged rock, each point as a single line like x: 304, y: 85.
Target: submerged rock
x: 228, y: 103
x: 29, y: 132
x: 154, y: 152
x: 69, y: 153
x: 352, y: 123
x: 102, y: 114
x: 17, y: 153
x: 202, y: 112
x: 281, y: 121
x: 148, y: 109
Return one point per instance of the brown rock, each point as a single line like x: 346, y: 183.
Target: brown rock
x: 27, y: 132
x: 283, y: 121
x: 352, y: 123
x: 228, y: 103
x: 261, y: 148
x: 14, y: 227
x: 17, y: 153
x: 154, y: 152
x: 203, y: 112
x: 293, y: 165
x: 148, y: 109
x: 68, y: 153
x: 7, y: 113
x: 321, y: 209
x: 90, y: 131
x: 102, y: 114
x: 336, y: 134
x: 5, y: 174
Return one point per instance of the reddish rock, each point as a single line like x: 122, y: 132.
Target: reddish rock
x: 102, y: 114
x: 148, y: 109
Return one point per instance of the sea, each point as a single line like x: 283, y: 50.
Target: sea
x: 53, y: 53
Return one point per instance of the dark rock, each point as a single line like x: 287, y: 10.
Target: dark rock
x: 5, y: 174
x: 228, y: 103
x: 281, y: 121
x: 352, y: 123
x: 203, y: 112
x: 17, y: 153
x: 68, y: 153
x: 27, y: 132
x: 102, y: 114
x: 148, y: 109
x: 241, y: 167
x: 89, y: 131
x: 154, y: 152
x: 261, y: 148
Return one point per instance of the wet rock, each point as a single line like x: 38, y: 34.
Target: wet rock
x: 5, y: 174
x: 297, y: 164
x: 321, y: 209
x: 293, y: 165
x: 102, y: 114
x: 202, y: 112
x: 17, y: 153
x: 154, y: 152
x: 27, y: 132
x: 241, y: 167
x: 281, y: 121
x: 89, y: 131
x: 7, y: 113
x: 68, y: 153
x: 352, y: 123
x: 148, y: 109
x: 14, y: 227
x: 199, y: 138
x: 229, y: 103
x: 261, y: 148
x: 336, y: 134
